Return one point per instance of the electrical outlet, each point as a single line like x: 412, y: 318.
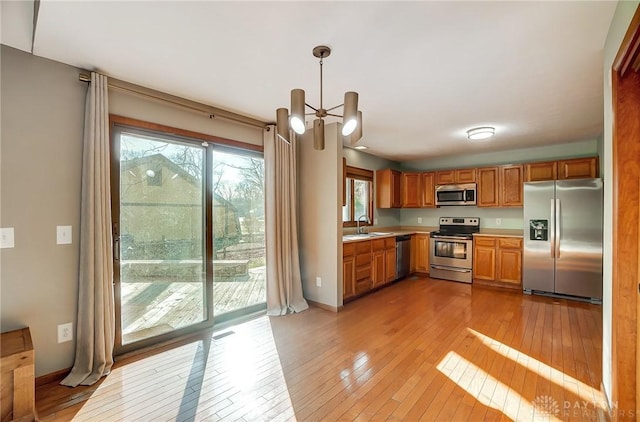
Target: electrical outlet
x: 375, y: 221
x: 65, y: 332
x: 318, y: 282
x: 419, y: 220
x: 498, y: 221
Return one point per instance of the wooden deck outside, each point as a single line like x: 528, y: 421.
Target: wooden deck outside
x: 162, y: 305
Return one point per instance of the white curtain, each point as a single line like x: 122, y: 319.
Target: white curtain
x: 95, y: 332
x: 284, y: 284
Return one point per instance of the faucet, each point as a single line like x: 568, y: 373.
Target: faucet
x: 360, y: 230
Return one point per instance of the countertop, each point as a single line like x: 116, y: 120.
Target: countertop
x: 397, y: 231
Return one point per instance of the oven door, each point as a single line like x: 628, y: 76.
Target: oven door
x: 451, y: 251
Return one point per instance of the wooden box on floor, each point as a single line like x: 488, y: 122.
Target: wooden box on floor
x: 18, y: 385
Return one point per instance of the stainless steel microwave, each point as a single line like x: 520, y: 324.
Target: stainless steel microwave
x: 464, y: 194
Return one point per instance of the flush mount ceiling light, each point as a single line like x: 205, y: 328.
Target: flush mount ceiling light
x: 481, y: 133
x: 351, y: 117
x: 360, y: 147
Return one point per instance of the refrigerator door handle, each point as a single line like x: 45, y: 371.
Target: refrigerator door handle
x: 558, y: 233
x: 552, y: 229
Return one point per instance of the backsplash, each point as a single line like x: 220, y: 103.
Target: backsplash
x: 510, y: 218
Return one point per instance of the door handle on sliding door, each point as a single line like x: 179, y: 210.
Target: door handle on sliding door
x: 116, y: 249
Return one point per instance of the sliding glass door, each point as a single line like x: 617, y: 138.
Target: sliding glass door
x: 239, y: 283
x: 188, y: 228
x: 160, y: 233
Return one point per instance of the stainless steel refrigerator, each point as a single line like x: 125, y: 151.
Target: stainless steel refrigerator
x: 563, y: 238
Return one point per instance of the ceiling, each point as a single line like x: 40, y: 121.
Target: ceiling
x: 425, y: 71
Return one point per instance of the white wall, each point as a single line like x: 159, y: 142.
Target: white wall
x: 320, y: 205
x: 586, y: 148
x: 141, y: 108
x: 42, y: 123
x: 621, y: 19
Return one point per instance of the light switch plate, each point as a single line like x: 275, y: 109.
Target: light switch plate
x: 63, y: 235
x: 419, y: 220
x: 7, y: 237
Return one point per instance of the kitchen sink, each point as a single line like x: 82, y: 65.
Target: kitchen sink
x: 365, y: 235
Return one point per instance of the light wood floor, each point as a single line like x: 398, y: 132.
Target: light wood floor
x: 421, y: 349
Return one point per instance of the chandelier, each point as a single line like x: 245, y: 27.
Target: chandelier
x: 351, y: 117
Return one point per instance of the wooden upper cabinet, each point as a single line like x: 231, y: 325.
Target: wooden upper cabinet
x: 500, y: 186
x: 575, y: 168
x: 511, y: 185
x: 448, y: 177
x: 388, y: 189
x: 578, y: 168
x: 427, y: 188
x: 488, y: 183
x: 537, y: 172
x: 411, y: 193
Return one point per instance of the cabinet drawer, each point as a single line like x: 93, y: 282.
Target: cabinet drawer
x: 363, y: 247
x: 348, y: 249
x: 484, y: 241
x: 390, y: 243
x: 363, y: 272
x: 510, y: 243
x: 377, y: 244
x: 363, y: 260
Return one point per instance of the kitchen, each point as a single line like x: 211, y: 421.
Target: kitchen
x: 460, y: 250
x: 318, y: 228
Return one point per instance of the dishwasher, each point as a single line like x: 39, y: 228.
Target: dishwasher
x: 403, y: 256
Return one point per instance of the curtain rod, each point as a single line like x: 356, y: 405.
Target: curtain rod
x: 180, y: 102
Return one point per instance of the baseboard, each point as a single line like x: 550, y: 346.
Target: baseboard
x: 324, y: 306
x: 53, y: 377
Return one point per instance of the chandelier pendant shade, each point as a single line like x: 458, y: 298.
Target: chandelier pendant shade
x: 351, y: 116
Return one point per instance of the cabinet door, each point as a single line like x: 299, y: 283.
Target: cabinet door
x: 427, y: 189
x: 509, y: 266
x: 390, y: 264
x: 511, y: 187
x: 538, y: 172
x: 348, y: 277
x: 414, y: 254
x: 422, y: 253
x: 488, y: 180
x: 445, y: 177
x: 410, y: 190
x: 579, y: 168
x: 465, y: 176
x: 378, y: 270
x: 388, y: 189
x: 484, y: 258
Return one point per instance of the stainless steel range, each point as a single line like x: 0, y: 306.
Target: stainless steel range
x: 451, y: 249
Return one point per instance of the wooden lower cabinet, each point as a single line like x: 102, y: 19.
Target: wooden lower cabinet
x: 348, y: 270
x: 367, y: 265
x: 390, y: 259
x: 498, y: 261
x: 422, y: 253
x: 484, y: 258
